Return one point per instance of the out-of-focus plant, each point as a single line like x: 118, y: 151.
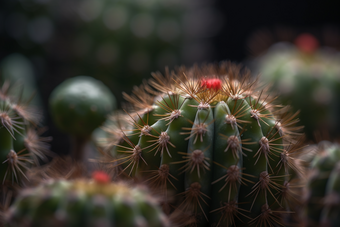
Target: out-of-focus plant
x: 307, y: 77
x: 118, y: 42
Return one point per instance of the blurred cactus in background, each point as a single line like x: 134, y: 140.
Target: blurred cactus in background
x: 307, y: 77
x: 118, y: 42
x: 17, y: 69
x: 78, y: 106
x: 322, y: 190
x: 86, y: 203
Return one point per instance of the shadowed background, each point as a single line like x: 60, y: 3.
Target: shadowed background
x: 121, y: 42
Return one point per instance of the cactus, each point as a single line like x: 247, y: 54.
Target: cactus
x: 78, y: 106
x: 216, y: 145
x: 322, y: 204
x: 86, y: 203
x: 307, y: 77
x: 20, y: 145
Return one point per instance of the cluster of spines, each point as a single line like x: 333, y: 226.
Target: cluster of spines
x: 21, y: 144
x: 205, y: 133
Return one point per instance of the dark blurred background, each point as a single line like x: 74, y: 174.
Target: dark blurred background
x: 121, y: 42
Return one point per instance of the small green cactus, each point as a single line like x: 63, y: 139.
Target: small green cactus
x: 78, y: 106
x: 322, y: 201
x: 216, y: 141
x: 87, y: 204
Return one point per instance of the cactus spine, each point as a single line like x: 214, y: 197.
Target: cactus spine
x: 216, y: 141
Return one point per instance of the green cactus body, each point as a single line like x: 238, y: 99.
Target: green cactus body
x: 85, y: 203
x: 219, y: 148
x: 323, y: 200
x: 306, y: 80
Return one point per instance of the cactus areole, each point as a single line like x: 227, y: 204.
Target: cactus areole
x: 214, y: 143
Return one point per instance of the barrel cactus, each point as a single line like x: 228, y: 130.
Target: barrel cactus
x: 86, y: 203
x: 307, y: 77
x: 21, y: 146
x: 215, y: 144
x: 322, y: 199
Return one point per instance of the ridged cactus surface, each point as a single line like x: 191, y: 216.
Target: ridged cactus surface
x: 215, y: 144
x: 86, y: 203
x: 323, y: 187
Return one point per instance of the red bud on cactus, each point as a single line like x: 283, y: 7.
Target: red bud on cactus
x: 306, y: 43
